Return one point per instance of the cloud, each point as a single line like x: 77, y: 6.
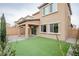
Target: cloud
x: 13, y: 15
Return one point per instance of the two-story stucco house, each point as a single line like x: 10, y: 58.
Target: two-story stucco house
x: 51, y: 20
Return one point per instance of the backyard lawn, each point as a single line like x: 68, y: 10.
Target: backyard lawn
x: 40, y: 46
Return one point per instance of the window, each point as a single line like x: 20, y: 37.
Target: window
x: 51, y: 28
x: 53, y: 7
x: 54, y: 27
x: 43, y: 28
x: 46, y: 10
x: 50, y: 9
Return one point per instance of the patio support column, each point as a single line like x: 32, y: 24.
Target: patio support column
x: 18, y: 28
x: 19, y: 31
x: 26, y: 30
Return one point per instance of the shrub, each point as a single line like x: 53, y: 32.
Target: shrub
x: 5, y: 49
x: 76, y: 50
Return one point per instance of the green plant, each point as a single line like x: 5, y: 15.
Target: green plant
x: 60, y: 47
x: 76, y: 50
x: 3, y: 29
x: 5, y: 49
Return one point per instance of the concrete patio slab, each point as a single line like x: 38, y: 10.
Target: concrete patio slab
x: 15, y: 38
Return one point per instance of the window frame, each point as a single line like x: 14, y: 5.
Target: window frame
x: 44, y: 10
x: 42, y: 28
x: 53, y: 7
x: 54, y: 28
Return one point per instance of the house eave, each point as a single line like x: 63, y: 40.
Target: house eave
x: 42, y: 5
x: 69, y: 8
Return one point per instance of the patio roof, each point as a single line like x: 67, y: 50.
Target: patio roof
x: 27, y: 18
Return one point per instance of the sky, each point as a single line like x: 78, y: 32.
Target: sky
x: 14, y: 11
x: 75, y: 14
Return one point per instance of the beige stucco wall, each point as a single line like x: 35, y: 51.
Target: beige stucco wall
x: 58, y: 17
x: 37, y: 16
x: 67, y: 21
x: 33, y: 22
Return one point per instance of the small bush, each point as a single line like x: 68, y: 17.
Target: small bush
x: 7, y: 50
x: 76, y: 50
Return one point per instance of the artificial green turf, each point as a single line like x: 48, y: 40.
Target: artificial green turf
x: 40, y: 46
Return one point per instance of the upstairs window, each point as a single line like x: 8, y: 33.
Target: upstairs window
x: 46, y: 10
x: 51, y: 8
x: 43, y: 28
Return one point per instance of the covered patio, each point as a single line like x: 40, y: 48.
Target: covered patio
x: 28, y: 28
